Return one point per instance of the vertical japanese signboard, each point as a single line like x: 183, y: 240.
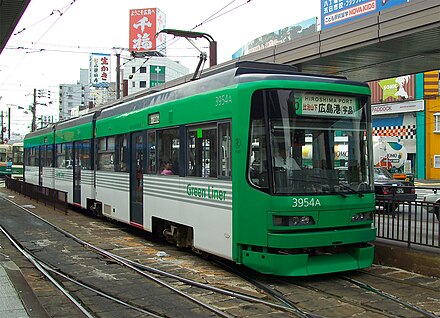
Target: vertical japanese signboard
x: 157, y: 75
x: 144, y: 24
x: 99, y: 70
x: 336, y: 12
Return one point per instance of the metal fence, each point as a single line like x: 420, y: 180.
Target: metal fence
x: 413, y: 222
x: 52, y: 197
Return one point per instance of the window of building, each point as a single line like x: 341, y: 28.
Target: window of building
x: 133, y: 84
x: 142, y: 84
x: 133, y: 69
x: 437, y: 123
x: 143, y: 69
x: 436, y: 161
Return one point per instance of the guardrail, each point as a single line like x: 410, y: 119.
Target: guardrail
x: 413, y: 222
x: 48, y: 196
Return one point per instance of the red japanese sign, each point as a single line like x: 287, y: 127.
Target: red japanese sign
x: 144, y: 23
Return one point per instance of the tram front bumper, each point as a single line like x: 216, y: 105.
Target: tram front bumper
x: 354, y: 256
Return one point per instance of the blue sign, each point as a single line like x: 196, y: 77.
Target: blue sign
x: 337, y: 12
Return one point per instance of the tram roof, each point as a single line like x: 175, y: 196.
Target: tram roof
x: 213, y: 78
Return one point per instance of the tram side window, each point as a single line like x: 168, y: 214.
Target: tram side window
x: 69, y: 155
x: 202, y: 147
x: 43, y: 155
x: 64, y: 155
x: 60, y: 156
x: 49, y: 156
x: 168, y: 143
x: 32, y: 157
x: 17, y: 155
x: 121, y: 160
x: 27, y: 153
x: 151, y: 157
x: 2, y: 155
x: 84, y: 153
x: 257, y: 172
x: 37, y: 157
x: 106, y: 153
x: 225, y: 150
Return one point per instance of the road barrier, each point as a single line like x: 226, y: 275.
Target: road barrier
x: 412, y: 222
x: 48, y: 196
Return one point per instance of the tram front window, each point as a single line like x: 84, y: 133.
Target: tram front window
x: 317, y: 143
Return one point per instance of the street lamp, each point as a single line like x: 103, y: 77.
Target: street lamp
x: 9, y: 117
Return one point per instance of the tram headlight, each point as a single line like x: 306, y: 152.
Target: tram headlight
x: 362, y: 216
x: 292, y: 220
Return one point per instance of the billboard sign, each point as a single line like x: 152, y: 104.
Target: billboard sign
x: 157, y: 75
x: 277, y: 37
x: 337, y: 12
x: 99, y: 70
x: 144, y: 24
x: 401, y: 88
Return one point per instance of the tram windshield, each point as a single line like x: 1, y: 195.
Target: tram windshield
x: 310, y: 143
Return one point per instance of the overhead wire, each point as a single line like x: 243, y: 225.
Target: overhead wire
x: 34, y: 43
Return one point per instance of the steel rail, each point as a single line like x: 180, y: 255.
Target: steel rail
x: 160, y: 272
x: 126, y: 264
x: 389, y: 296
x: 46, y: 274
x: 295, y: 309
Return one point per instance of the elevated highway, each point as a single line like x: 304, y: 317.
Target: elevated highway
x: 398, y: 41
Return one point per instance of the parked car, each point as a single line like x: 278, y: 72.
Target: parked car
x: 391, y: 192
x: 432, y: 202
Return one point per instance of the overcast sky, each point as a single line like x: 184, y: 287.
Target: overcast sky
x: 87, y: 26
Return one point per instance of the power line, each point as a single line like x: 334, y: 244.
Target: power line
x: 34, y: 43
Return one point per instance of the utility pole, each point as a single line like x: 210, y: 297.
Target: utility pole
x: 118, y: 51
x: 34, y: 112
x: 118, y: 75
x: 9, y: 123
x: 2, y: 126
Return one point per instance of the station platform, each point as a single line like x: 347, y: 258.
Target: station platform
x: 17, y: 299
x: 11, y: 305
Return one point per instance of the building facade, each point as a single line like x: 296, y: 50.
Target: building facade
x: 74, y: 96
x: 142, y: 73
x: 406, y: 124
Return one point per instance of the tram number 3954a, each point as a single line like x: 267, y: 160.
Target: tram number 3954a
x: 305, y: 202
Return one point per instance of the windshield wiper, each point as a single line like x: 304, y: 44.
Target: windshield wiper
x: 360, y: 194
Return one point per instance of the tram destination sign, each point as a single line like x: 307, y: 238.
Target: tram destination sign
x: 326, y: 105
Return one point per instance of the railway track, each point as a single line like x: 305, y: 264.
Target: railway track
x: 354, y: 295
x: 125, y: 250
x: 62, y: 273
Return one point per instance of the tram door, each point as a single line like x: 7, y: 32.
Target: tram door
x: 136, y: 179
x: 77, y: 172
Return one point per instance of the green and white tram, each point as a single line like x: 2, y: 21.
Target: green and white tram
x: 209, y: 165
x: 11, y: 160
